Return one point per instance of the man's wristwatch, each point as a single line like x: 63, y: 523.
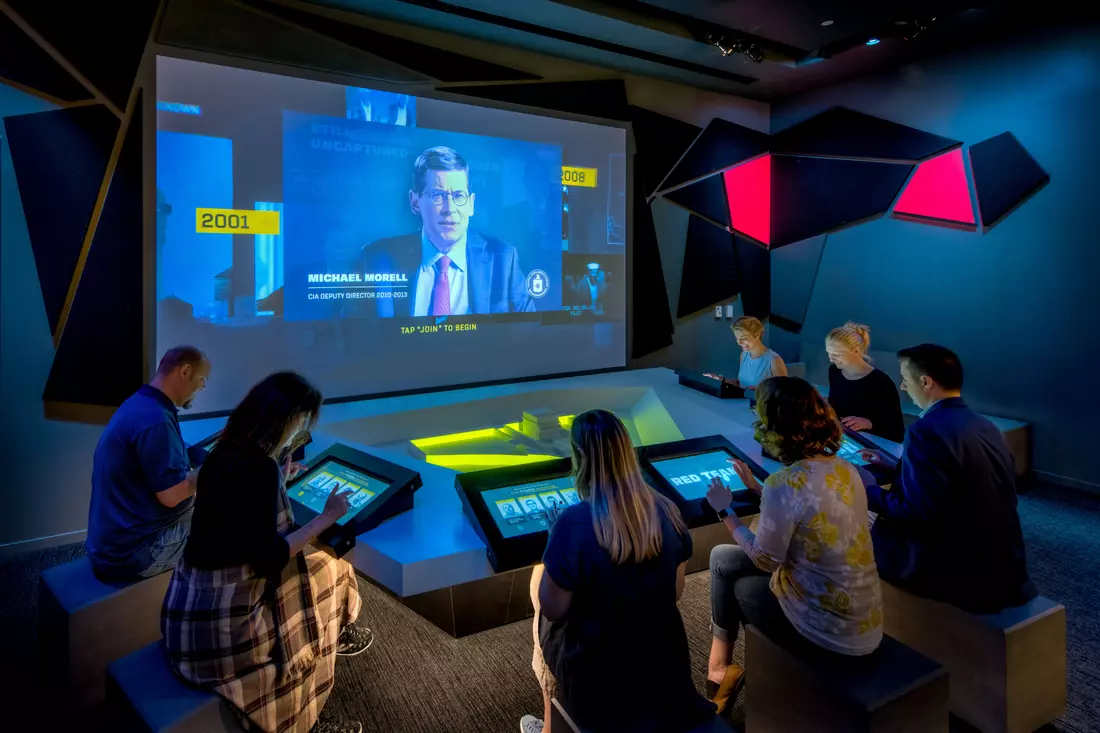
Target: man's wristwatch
x: 723, y: 513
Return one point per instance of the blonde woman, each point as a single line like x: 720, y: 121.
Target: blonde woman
x: 758, y: 362
x: 864, y: 398
x: 609, y: 630
x: 807, y: 577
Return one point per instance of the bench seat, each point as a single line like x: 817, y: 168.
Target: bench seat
x: 893, y: 690
x: 148, y: 697
x: 1008, y: 670
x: 85, y: 624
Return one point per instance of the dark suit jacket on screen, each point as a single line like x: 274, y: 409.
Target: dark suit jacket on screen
x: 494, y: 281
x: 948, y: 528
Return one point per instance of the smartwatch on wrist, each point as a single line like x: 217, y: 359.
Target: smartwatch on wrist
x: 723, y: 513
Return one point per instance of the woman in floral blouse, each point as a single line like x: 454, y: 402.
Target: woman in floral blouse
x: 807, y: 578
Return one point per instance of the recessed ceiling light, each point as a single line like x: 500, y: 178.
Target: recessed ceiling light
x: 826, y: 23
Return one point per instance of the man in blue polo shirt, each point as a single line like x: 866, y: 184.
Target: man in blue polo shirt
x: 143, y: 475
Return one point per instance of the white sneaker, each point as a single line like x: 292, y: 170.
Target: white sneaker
x: 530, y: 724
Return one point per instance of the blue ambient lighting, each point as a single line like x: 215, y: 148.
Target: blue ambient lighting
x: 872, y: 41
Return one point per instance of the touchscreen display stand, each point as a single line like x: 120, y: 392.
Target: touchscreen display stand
x: 379, y: 491
x: 710, y: 385
x: 507, y: 508
x: 682, y: 471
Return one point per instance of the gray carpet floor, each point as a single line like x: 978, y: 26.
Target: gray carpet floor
x: 417, y: 679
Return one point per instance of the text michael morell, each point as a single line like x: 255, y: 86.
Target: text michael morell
x: 358, y: 277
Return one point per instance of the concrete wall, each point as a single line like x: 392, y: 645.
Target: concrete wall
x: 1020, y: 303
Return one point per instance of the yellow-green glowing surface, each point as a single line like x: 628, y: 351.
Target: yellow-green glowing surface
x: 466, y: 462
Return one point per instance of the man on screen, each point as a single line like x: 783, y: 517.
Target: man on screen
x: 450, y: 270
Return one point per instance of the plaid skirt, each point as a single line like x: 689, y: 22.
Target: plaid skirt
x: 266, y: 646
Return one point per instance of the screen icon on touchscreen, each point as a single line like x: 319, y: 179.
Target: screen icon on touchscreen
x: 519, y: 510
x: 849, y: 451
x: 314, y: 489
x: 691, y: 475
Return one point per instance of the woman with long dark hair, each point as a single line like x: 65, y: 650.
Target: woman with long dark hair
x: 610, y: 642
x: 806, y: 578
x: 253, y: 612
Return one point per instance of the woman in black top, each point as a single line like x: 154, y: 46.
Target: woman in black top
x: 610, y: 633
x: 253, y: 612
x: 864, y: 398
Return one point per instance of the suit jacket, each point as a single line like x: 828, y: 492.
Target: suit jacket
x: 494, y: 281
x: 948, y: 528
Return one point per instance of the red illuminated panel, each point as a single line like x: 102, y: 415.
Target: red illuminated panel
x: 748, y: 190
x: 938, y: 191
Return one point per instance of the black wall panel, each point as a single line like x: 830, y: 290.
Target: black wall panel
x: 99, y: 359
x: 60, y: 158
x: 754, y: 270
x: 707, y: 198
x: 793, y: 274
x: 1005, y: 175
x: 710, y: 272
x: 651, y: 317
x: 721, y: 145
x: 660, y: 142
x: 844, y: 133
x: 812, y: 196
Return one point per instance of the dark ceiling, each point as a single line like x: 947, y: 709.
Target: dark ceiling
x: 775, y: 48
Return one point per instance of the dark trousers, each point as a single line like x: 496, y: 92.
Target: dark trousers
x: 740, y: 595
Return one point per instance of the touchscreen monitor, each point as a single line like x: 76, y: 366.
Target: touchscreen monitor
x: 691, y: 475
x: 849, y: 451
x: 521, y: 509
x: 314, y: 488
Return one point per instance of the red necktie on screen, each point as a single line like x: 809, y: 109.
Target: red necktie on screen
x: 441, y: 290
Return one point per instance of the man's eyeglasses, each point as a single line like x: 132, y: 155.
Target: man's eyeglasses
x: 459, y: 197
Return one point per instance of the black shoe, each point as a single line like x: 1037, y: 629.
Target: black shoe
x: 353, y: 640
x: 333, y: 725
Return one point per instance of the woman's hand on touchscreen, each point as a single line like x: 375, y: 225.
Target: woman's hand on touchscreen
x: 337, y: 504
x: 718, y: 495
x: 746, y: 475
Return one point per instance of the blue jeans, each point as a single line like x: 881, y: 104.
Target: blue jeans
x: 168, y: 546
x: 740, y: 595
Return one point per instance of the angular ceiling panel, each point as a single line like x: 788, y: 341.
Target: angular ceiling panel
x: 1005, y: 175
x: 599, y: 98
x: 22, y: 61
x: 103, y: 40
x: 721, y: 145
x: 214, y: 26
x: 843, y: 133
x: 60, y: 158
x: 938, y: 193
x: 710, y: 272
x: 812, y: 196
x: 438, y: 63
x: 706, y: 198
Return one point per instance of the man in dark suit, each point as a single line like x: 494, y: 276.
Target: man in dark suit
x: 449, y: 270
x: 948, y: 528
